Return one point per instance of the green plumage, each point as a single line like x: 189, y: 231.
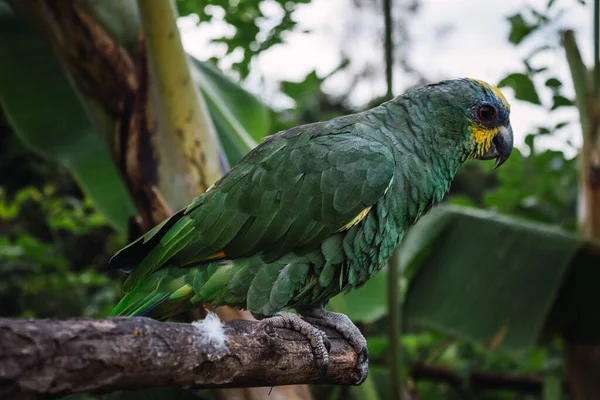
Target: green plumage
x: 281, y: 215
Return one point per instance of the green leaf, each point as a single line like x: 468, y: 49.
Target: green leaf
x: 519, y: 28
x: 309, y: 85
x: 561, y: 101
x: 561, y: 125
x: 553, y: 83
x: 523, y: 87
x: 244, y: 18
x: 542, y: 130
x: 46, y: 114
x: 530, y: 142
x: 491, y: 279
x: 240, y: 118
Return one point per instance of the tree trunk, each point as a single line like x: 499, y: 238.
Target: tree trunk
x: 583, y: 360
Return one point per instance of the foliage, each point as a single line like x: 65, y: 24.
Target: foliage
x: 43, y: 273
x: 64, y: 131
x: 551, y: 182
x: 245, y: 17
x: 500, y: 294
x: 523, y: 87
x: 240, y: 118
x: 524, y: 25
x: 60, y: 129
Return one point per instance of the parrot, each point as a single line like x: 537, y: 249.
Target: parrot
x: 314, y: 211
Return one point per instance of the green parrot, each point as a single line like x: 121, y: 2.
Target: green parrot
x: 314, y: 211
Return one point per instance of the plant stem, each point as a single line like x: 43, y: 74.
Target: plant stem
x: 579, y: 74
x: 389, y: 63
x: 597, y: 49
x: 581, y: 361
x: 185, y: 129
x: 395, y: 320
x: 552, y: 388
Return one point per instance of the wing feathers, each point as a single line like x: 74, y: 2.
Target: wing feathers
x: 287, y: 195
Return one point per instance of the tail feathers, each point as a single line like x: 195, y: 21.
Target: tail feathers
x: 129, y: 306
x: 132, y: 255
x: 162, y: 296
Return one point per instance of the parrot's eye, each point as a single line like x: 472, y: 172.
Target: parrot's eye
x: 487, y: 112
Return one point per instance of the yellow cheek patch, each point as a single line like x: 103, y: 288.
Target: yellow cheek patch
x: 483, y: 138
x: 496, y: 92
x: 361, y: 215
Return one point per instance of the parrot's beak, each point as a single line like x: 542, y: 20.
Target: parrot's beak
x: 501, y: 147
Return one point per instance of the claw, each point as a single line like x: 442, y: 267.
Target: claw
x: 317, y: 338
x: 349, y: 331
x: 362, y: 364
x: 327, y: 344
x: 324, y: 369
x: 363, y: 355
x: 363, y: 369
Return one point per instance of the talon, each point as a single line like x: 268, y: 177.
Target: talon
x: 324, y: 369
x: 318, y: 339
x: 349, y: 331
x: 327, y: 343
x: 364, y: 373
x: 363, y: 355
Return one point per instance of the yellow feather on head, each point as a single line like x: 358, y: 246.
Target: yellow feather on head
x: 483, y: 135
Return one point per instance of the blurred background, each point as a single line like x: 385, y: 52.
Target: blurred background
x: 491, y: 296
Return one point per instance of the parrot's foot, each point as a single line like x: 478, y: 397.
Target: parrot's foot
x: 348, y: 330
x: 318, y: 339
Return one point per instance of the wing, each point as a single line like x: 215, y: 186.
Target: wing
x: 287, y: 195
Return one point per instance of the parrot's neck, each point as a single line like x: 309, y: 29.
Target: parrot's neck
x: 427, y: 160
x: 426, y: 163
x: 425, y: 167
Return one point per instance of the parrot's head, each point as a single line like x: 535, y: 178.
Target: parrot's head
x: 491, y: 132
x: 480, y: 118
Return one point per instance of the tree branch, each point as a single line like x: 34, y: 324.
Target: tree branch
x: 57, y: 357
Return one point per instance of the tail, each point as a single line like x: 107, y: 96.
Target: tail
x: 130, y: 256
x: 163, y: 295
x: 173, y: 289
x: 153, y: 288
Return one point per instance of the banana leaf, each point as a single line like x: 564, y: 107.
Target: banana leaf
x: 49, y: 116
x: 46, y: 114
x: 497, y: 281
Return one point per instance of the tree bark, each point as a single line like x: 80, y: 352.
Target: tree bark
x: 583, y: 360
x: 59, y: 357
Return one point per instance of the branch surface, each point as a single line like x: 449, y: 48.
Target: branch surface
x: 58, y: 357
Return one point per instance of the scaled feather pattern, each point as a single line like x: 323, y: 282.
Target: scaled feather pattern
x: 315, y: 210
